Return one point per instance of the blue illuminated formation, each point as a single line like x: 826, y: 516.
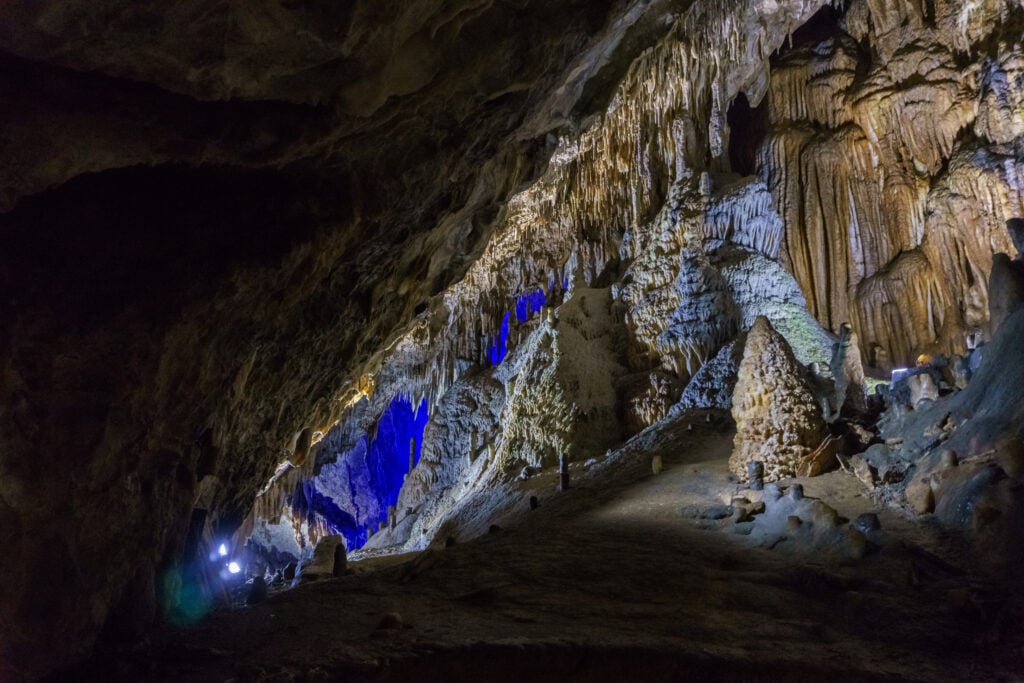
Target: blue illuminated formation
x: 379, y: 465
x: 309, y: 502
x: 526, y: 305
x: 499, y: 347
x: 530, y: 303
x: 388, y: 456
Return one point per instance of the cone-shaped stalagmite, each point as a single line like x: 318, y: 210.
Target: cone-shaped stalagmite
x: 778, y: 421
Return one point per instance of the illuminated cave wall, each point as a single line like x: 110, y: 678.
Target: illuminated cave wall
x: 886, y: 141
x: 892, y: 145
x: 356, y: 480
x: 873, y: 152
x: 526, y: 305
x: 352, y: 489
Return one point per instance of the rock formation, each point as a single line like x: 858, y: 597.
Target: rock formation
x: 778, y: 421
x: 848, y: 373
x: 1006, y: 281
x: 887, y: 156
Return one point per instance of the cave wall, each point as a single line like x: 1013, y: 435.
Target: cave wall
x: 858, y: 148
x: 893, y: 153
x: 219, y: 239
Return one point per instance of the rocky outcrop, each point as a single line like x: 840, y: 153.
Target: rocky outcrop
x: 967, y: 450
x: 215, y: 217
x: 848, y: 374
x: 714, y: 383
x: 1006, y: 289
x: 778, y: 421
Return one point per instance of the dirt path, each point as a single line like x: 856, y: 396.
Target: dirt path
x: 609, y: 581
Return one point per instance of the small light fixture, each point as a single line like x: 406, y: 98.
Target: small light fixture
x: 234, y: 568
x: 223, y: 550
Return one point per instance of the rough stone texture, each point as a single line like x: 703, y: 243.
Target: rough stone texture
x: 561, y: 387
x: 713, y: 385
x: 648, y: 397
x: 321, y: 564
x: 848, y: 373
x: 215, y: 214
x: 1006, y: 289
x: 457, y: 445
x: 893, y: 162
x: 979, y: 490
x: 778, y: 421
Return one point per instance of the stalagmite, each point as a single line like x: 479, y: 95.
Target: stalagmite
x: 777, y: 418
x: 848, y: 374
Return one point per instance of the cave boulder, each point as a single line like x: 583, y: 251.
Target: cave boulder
x: 322, y: 564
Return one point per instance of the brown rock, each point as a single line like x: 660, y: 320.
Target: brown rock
x: 1005, y: 290
x: 856, y: 543
x: 862, y: 470
x: 1010, y: 456
x: 848, y: 373
x: 919, y: 494
x: 392, y: 621
x: 324, y: 562
x: 823, y: 516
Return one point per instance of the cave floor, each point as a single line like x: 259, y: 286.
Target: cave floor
x: 609, y: 581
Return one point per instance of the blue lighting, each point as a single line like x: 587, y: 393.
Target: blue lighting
x: 528, y: 304
x: 385, y: 458
x: 388, y: 455
x: 499, y: 345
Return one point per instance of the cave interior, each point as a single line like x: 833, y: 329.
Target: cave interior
x: 474, y: 340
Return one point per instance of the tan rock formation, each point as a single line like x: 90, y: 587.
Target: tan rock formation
x: 890, y: 213
x: 778, y: 421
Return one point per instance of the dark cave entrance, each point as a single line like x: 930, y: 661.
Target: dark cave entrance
x: 747, y: 129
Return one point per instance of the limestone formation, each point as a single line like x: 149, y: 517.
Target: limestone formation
x: 778, y: 421
x: 848, y: 373
x: 1006, y: 289
x: 923, y: 388
x: 324, y: 560
x: 561, y: 387
x: 713, y: 385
